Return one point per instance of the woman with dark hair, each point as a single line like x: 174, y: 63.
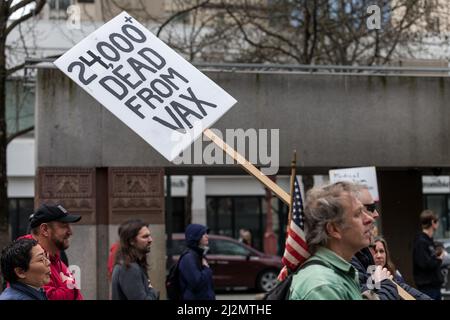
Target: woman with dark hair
x: 25, y: 266
x: 130, y: 279
x: 382, y: 258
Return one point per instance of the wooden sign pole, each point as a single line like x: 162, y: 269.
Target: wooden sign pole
x: 403, y: 293
x: 250, y: 168
x: 293, y: 173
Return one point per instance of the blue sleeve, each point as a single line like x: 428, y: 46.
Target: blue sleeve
x: 418, y: 295
x: 194, y: 276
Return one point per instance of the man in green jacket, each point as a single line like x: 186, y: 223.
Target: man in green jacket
x: 336, y: 226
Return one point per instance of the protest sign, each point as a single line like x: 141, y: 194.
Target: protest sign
x: 146, y: 84
x: 363, y: 175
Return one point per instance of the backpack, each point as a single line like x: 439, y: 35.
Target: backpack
x: 281, y: 290
x: 173, y: 280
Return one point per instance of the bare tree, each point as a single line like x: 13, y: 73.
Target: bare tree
x: 8, y: 8
x: 295, y: 31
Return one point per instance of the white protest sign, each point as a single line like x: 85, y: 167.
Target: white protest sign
x: 147, y: 85
x: 363, y: 175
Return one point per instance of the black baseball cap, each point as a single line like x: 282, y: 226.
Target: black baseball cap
x: 49, y: 212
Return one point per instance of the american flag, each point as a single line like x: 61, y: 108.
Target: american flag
x: 296, y: 249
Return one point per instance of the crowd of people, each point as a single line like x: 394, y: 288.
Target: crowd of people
x: 339, y: 225
x: 33, y: 269
x: 348, y: 260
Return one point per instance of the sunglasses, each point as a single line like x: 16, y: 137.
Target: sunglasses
x: 371, y: 207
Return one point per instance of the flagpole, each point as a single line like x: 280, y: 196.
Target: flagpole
x: 293, y: 173
x: 286, y: 270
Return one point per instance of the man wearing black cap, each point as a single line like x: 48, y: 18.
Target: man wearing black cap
x: 50, y: 226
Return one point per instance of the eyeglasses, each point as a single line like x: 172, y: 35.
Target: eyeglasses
x: 371, y: 207
x: 44, y: 258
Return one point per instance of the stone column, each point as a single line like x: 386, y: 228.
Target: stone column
x: 138, y: 193
x: 75, y: 190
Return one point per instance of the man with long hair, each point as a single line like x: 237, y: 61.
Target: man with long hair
x: 130, y: 274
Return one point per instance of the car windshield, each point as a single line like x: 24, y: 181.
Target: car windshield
x: 224, y: 247
x: 216, y: 246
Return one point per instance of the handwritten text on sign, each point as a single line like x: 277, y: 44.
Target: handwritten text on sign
x: 362, y: 175
x: 147, y: 85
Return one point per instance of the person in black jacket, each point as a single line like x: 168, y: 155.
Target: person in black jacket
x: 363, y: 260
x: 426, y: 263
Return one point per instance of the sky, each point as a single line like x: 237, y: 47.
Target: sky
x: 22, y: 11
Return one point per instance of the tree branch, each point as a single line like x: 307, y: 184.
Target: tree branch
x: 39, y: 6
x: 14, y: 69
x: 179, y: 13
x: 17, y: 134
x: 19, y: 5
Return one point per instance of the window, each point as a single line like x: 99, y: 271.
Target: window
x: 58, y: 8
x: 178, y: 246
x: 228, y: 248
x: 226, y: 215
x: 20, y: 97
x: 20, y: 210
x: 440, y: 204
x: 59, y: 4
x: 178, y: 217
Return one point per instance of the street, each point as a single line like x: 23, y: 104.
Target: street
x: 238, y: 295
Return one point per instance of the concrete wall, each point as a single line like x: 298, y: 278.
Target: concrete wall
x: 83, y: 253
x: 332, y: 120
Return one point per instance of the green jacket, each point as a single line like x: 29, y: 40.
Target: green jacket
x: 339, y: 281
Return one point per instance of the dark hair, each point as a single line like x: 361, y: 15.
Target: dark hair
x: 127, y: 253
x: 16, y: 255
x: 427, y: 217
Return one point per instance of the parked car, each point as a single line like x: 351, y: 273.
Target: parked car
x: 235, y: 264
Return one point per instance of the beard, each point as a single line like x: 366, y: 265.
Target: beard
x: 60, y: 244
x: 145, y: 250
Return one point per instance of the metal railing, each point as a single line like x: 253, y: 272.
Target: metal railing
x: 323, y: 68
x: 301, y: 68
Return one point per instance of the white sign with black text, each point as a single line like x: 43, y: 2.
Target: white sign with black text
x: 146, y: 84
x: 436, y: 184
x: 362, y: 175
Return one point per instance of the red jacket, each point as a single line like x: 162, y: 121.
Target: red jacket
x: 56, y: 289
x: 112, y: 258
